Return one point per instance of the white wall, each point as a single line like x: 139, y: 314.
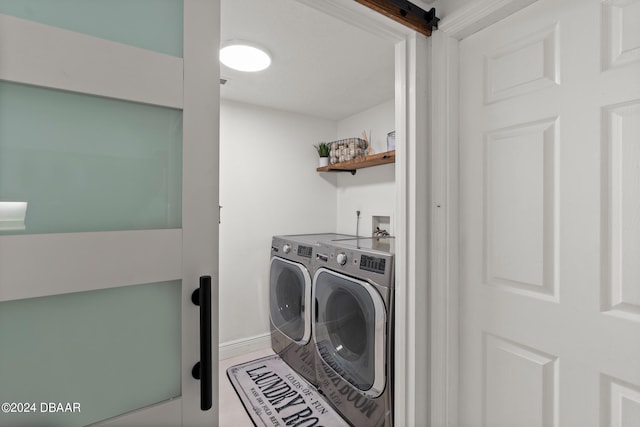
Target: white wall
x: 268, y: 186
x: 371, y: 190
x: 378, y: 120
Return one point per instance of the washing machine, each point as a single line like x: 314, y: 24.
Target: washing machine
x: 290, y: 301
x: 353, y: 288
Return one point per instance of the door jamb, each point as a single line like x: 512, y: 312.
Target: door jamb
x: 444, y: 262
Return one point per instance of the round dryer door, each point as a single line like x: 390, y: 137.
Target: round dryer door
x: 350, y: 330
x: 290, y: 299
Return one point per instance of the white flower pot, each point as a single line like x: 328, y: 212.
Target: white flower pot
x: 324, y: 161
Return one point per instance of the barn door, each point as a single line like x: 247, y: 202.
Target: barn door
x: 108, y: 211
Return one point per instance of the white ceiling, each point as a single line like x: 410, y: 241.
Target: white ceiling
x: 321, y: 65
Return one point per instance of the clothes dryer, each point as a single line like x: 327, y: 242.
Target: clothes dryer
x: 290, y: 300
x: 353, y: 287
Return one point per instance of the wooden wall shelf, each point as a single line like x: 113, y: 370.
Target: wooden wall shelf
x: 365, y: 162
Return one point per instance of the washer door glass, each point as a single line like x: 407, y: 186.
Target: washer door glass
x: 290, y: 296
x: 350, y: 330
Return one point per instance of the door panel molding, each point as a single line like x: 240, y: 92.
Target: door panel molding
x: 43, y: 55
x: 503, y: 79
x: 520, y: 205
x: 620, y: 154
x: 33, y: 263
x: 532, y: 374
x: 619, y: 46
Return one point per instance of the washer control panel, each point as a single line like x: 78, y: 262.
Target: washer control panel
x: 305, y: 251
x: 292, y: 250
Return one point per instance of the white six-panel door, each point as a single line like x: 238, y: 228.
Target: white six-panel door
x: 550, y: 218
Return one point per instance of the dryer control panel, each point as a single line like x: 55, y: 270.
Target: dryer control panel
x: 376, y: 266
x: 372, y: 263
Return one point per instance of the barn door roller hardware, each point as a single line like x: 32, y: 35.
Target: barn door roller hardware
x: 406, y: 13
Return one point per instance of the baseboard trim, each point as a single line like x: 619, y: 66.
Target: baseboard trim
x: 239, y: 347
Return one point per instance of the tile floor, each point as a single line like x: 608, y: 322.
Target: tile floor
x: 232, y: 413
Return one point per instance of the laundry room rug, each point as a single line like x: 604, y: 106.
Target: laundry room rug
x: 275, y: 395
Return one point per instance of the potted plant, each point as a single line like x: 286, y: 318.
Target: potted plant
x: 323, y: 149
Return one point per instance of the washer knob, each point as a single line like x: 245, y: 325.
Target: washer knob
x: 286, y: 248
x: 341, y: 258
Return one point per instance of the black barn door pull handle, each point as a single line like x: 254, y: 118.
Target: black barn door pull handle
x: 202, y: 370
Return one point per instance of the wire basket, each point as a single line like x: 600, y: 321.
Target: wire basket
x: 347, y: 149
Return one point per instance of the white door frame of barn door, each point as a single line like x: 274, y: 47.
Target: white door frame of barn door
x: 412, y: 50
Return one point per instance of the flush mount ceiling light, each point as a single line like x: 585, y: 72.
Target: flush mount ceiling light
x: 244, y: 56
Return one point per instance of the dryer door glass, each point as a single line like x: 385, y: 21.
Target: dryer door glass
x: 290, y: 286
x: 350, y: 329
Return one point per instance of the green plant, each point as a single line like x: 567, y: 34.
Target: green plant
x: 323, y: 149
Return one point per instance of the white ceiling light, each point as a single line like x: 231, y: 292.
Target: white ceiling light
x: 244, y: 56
